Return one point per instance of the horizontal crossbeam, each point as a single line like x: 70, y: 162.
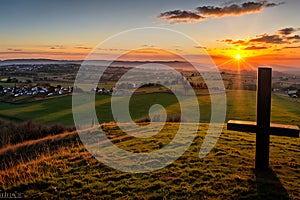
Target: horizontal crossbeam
x: 275, y: 129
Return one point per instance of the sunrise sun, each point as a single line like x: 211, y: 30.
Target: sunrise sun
x: 238, y: 56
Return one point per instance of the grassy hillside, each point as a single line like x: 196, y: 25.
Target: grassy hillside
x: 69, y: 171
x: 53, y: 165
x: 240, y: 105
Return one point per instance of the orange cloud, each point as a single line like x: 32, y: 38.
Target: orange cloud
x: 265, y: 41
x: 255, y: 48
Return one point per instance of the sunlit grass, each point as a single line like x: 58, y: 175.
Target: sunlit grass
x: 226, y: 173
x: 241, y: 105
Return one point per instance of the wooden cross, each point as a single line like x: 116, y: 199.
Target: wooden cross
x: 262, y: 127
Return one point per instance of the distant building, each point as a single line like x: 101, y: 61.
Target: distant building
x: 23, y: 79
x: 293, y: 93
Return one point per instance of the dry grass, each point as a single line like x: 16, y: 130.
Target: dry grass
x: 156, y: 118
x: 13, y: 133
x: 70, y: 172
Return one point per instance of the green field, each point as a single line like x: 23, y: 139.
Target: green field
x: 240, y: 105
x: 59, y: 166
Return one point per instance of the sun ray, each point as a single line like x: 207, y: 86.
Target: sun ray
x: 248, y: 65
x: 225, y: 63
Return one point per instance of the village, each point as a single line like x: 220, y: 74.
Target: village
x: 34, y: 90
x: 45, y: 90
x: 51, y: 80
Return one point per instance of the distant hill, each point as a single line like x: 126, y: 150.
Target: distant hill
x: 51, y: 61
x: 36, y: 61
x: 175, y: 64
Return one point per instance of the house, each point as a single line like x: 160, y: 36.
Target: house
x: 290, y: 92
x: 4, y: 80
x: 293, y: 93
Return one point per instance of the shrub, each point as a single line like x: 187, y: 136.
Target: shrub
x: 170, y: 118
x: 13, y: 133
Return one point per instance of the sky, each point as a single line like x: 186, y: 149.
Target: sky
x: 252, y: 32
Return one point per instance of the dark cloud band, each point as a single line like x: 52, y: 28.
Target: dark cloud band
x: 203, y: 12
x: 179, y: 16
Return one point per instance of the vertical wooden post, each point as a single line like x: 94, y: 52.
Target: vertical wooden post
x: 262, y: 126
x: 263, y: 118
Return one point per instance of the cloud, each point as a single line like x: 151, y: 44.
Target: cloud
x: 277, y: 41
x: 181, y: 16
x: 232, y: 8
x: 272, y: 39
x: 231, y: 41
x: 294, y: 38
x: 235, y: 9
x: 273, y: 4
x: 148, y: 46
x: 82, y: 47
x: 57, y: 47
x: 111, y: 49
x: 282, y: 36
x: 227, y: 3
x: 39, y: 53
x: 287, y: 31
x: 67, y: 47
x: 15, y: 50
x: 255, y: 47
x: 178, y: 50
x: 267, y: 39
x: 226, y: 40
x: 292, y: 47
x: 200, y: 47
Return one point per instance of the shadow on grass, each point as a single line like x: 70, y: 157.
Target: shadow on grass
x: 268, y: 186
